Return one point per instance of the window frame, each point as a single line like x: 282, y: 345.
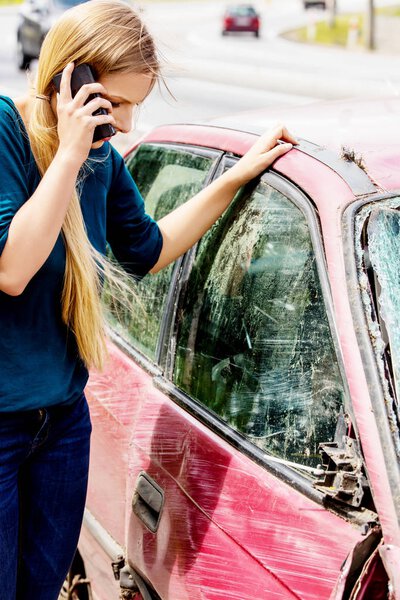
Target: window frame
x: 154, y: 367
x: 369, y: 358
x: 164, y: 381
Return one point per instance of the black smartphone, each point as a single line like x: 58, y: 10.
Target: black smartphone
x: 80, y: 75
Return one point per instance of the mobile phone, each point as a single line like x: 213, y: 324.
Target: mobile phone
x: 80, y: 75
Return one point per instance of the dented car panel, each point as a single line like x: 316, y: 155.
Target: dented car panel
x: 204, y: 492
x: 245, y: 430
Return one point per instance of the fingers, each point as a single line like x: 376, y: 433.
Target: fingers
x: 262, y: 154
x: 279, y: 150
x: 282, y: 133
x: 103, y: 119
x: 86, y: 90
x: 76, y: 106
x: 95, y: 104
x: 269, y: 139
x: 65, y: 83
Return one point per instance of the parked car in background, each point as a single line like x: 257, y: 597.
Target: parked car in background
x: 314, y: 4
x: 242, y: 17
x: 35, y: 19
x: 246, y: 429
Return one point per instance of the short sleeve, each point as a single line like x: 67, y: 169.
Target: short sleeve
x: 15, y: 161
x: 134, y: 237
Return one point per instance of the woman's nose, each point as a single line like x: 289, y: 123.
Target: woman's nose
x: 125, y: 121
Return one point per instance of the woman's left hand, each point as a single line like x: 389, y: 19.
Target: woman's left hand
x: 262, y: 154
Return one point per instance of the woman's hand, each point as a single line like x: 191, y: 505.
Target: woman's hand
x: 262, y: 154
x: 187, y: 223
x: 76, y: 122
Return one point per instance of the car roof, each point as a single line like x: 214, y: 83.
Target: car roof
x: 369, y: 130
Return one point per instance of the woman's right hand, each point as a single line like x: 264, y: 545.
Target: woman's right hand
x: 76, y: 122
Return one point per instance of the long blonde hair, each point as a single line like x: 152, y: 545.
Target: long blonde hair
x: 110, y: 36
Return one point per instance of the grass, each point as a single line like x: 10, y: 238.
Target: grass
x: 338, y: 34
x: 323, y: 32
x: 388, y: 11
x: 9, y: 2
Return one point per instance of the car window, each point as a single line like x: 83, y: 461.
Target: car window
x: 253, y: 340
x: 166, y: 177
x: 242, y: 11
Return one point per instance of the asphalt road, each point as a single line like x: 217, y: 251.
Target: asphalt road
x: 272, y: 63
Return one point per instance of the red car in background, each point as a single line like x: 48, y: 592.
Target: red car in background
x: 246, y: 430
x: 242, y: 17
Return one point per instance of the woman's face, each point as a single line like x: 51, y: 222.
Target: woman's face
x: 125, y: 91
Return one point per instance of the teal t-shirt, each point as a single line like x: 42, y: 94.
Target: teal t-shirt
x: 39, y: 362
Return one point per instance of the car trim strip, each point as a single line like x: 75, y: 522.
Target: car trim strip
x: 101, y: 535
x: 355, y: 177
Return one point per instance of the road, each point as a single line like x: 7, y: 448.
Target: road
x: 272, y: 63
x: 211, y: 75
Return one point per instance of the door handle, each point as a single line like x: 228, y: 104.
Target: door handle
x: 148, y: 501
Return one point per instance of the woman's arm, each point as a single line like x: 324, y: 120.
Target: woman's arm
x: 184, y: 226
x: 35, y: 227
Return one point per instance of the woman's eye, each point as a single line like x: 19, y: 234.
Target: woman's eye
x: 115, y: 104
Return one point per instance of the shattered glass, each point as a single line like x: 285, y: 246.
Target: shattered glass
x: 377, y: 236
x: 384, y: 253
x: 166, y: 178
x: 254, y: 342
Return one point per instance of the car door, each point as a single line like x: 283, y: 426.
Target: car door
x: 223, y: 463
x: 166, y: 175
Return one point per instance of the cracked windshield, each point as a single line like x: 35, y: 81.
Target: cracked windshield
x: 378, y: 228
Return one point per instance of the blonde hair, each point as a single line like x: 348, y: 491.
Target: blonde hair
x: 110, y: 36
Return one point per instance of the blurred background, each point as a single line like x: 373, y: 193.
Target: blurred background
x: 221, y: 58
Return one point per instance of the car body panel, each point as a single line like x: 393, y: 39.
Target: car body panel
x: 203, y: 478
x: 215, y: 494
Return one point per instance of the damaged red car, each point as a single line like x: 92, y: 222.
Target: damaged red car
x: 246, y: 430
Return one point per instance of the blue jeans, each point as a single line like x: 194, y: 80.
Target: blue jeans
x: 44, y: 460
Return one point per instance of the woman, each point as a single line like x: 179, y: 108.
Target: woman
x: 61, y: 198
